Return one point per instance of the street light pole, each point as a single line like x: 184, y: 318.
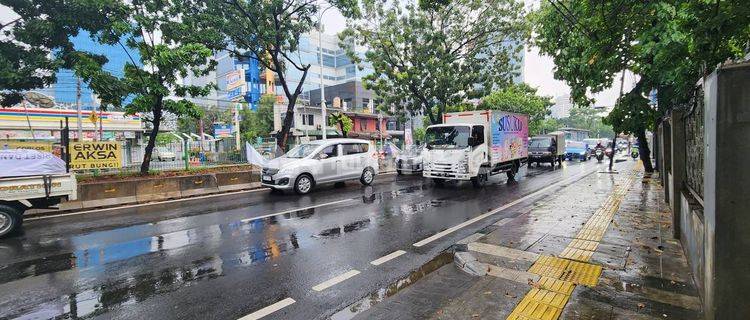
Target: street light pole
x: 320, y: 61
x: 78, y: 108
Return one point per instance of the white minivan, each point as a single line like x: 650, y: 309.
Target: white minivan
x: 322, y: 161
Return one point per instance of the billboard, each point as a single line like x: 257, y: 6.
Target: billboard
x: 95, y: 155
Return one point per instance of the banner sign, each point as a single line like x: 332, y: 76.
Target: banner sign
x: 223, y: 130
x: 235, y: 78
x: 28, y: 145
x: 95, y: 155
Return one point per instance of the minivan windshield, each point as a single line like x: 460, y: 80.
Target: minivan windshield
x: 302, y: 150
x: 540, y: 143
x: 447, y: 137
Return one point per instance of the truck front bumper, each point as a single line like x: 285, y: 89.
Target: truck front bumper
x: 445, y: 175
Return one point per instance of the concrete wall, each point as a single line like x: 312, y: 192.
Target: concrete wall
x: 104, y: 194
x: 726, y: 183
x: 714, y: 229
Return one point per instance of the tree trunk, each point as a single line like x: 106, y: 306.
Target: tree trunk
x: 614, y: 150
x: 644, y: 151
x: 341, y: 125
x: 283, y: 135
x: 152, y: 137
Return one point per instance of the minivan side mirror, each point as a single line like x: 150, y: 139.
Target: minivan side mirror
x: 321, y: 156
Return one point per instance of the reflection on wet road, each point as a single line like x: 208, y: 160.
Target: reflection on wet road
x: 226, y: 259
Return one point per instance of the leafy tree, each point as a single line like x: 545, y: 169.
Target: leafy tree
x: 436, y: 54
x: 342, y: 121
x: 520, y: 98
x: 419, y: 135
x: 209, y: 116
x: 589, y: 119
x: 167, y: 53
x: 268, y: 31
x: 36, y: 44
x: 549, y: 125
x: 258, y: 123
x: 668, y: 44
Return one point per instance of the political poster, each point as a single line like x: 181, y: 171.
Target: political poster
x: 95, y: 155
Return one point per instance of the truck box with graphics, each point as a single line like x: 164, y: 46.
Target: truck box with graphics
x: 473, y: 145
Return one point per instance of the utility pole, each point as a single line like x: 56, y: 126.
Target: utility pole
x: 78, y: 108
x: 237, y: 126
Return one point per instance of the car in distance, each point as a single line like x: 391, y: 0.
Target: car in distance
x: 164, y: 154
x: 410, y: 160
x: 322, y: 161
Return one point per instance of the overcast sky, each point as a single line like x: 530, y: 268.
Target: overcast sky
x: 538, y: 69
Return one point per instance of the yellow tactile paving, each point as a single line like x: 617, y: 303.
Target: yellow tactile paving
x: 583, y: 245
x: 582, y: 273
x: 540, y: 304
x: 577, y: 254
x: 556, y: 285
x: 548, y: 266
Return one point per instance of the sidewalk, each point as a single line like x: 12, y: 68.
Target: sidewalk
x: 598, y: 249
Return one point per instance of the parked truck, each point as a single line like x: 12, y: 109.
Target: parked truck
x: 547, y: 148
x: 474, y: 145
x: 31, y: 179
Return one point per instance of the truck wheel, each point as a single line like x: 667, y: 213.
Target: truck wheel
x: 10, y: 219
x: 479, y: 180
x: 438, y: 182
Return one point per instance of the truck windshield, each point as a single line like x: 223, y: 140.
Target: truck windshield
x: 540, y: 143
x: 447, y: 137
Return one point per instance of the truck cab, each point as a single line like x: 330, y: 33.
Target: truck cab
x: 455, y: 151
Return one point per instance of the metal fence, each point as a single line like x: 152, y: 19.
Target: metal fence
x: 694, y: 144
x: 186, y: 155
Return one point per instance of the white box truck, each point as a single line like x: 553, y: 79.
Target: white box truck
x: 31, y: 179
x: 474, y: 145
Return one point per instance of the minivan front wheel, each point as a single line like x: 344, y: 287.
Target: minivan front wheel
x: 303, y: 184
x: 368, y: 175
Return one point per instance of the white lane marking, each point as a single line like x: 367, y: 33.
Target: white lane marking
x: 296, y: 209
x: 334, y: 281
x: 145, y: 204
x: 269, y: 310
x: 494, y: 211
x: 387, y: 258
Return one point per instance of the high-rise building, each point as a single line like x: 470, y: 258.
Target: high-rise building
x: 65, y: 89
x: 561, y: 108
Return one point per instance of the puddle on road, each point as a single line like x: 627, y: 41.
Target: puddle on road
x: 381, y: 294
x: 349, y: 227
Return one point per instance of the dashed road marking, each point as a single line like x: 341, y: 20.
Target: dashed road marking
x: 336, y: 280
x: 269, y: 310
x: 387, y: 258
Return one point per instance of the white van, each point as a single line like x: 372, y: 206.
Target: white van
x: 322, y: 161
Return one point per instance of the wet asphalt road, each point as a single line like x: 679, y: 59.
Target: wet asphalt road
x: 229, y: 256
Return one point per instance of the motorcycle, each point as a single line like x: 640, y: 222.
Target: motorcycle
x: 599, y: 155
